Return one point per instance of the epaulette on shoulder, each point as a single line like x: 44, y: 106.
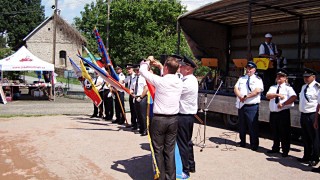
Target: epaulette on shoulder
x: 318, y: 85
x: 258, y: 77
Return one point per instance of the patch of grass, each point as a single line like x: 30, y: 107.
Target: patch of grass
x: 26, y: 115
x: 59, y: 79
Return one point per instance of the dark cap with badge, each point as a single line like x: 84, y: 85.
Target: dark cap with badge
x: 136, y: 66
x: 309, y: 72
x: 118, y: 67
x: 251, y: 64
x: 185, y: 61
x: 282, y: 72
x: 129, y: 65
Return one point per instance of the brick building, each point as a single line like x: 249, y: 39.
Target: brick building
x: 68, y: 42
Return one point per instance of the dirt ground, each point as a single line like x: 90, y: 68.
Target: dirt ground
x: 73, y: 146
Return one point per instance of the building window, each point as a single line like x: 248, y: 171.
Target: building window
x: 63, y: 58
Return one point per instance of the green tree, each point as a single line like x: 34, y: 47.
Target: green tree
x: 138, y: 28
x: 18, y: 18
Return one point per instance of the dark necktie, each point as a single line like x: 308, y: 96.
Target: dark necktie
x: 129, y: 85
x: 277, y: 98
x: 136, y: 87
x: 248, y: 83
x: 305, y: 93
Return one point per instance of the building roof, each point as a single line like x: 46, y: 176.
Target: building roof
x: 235, y: 12
x: 68, y: 29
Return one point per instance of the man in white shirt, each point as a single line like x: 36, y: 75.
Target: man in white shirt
x: 307, y: 106
x: 128, y: 81
x: 187, y: 109
x: 247, y: 90
x: 282, y: 97
x: 98, y: 82
x: 164, y: 125
x: 119, y: 114
x: 316, y: 126
x: 139, y: 92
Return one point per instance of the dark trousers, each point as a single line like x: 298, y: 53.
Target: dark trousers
x: 163, y: 131
x: 108, y: 104
x: 185, y: 129
x: 141, y: 112
x: 310, y: 137
x: 248, y: 117
x: 280, y: 126
x: 100, y: 108
x: 119, y: 114
x: 133, y: 112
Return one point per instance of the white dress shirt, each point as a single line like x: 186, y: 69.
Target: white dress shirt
x: 189, y: 96
x: 99, y: 81
x: 121, y: 78
x: 128, y: 80
x: 312, y: 94
x: 141, y: 83
x: 168, y: 91
x: 255, y: 82
x: 286, y: 91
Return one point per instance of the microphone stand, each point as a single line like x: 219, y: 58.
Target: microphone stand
x: 205, y: 120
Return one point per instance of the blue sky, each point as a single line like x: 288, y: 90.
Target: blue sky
x: 71, y: 8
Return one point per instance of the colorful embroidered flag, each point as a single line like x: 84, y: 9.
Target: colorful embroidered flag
x: 93, y: 58
x: 88, y: 86
x: 104, y: 54
x: 105, y: 76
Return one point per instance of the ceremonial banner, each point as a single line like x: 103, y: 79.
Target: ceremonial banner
x: 104, y: 54
x: 92, y: 57
x: 89, y: 89
x: 105, y: 76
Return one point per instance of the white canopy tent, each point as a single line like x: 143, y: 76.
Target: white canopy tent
x: 24, y: 60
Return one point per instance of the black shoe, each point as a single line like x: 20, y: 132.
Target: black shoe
x: 284, y: 154
x: 303, y: 160
x: 192, y: 170
x: 313, y: 163
x: 134, y: 128
x: 316, y: 170
x: 93, y: 115
x: 115, y: 121
x: 254, y: 148
x: 144, y: 134
x: 272, y: 151
x: 121, y: 122
x: 240, y: 144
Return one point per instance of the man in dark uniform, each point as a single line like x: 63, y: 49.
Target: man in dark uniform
x: 188, y: 107
x: 282, y: 97
x: 128, y: 81
x: 140, y: 90
x: 308, y: 105
x: 248, y: 89
x: 316, y: 126
x: 119, y: 114
x: 107, y: 102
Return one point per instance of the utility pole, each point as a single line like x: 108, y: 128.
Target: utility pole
x: 108, y: 24
x: 54, y: 32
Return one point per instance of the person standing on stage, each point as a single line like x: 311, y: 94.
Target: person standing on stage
x: 187, y: 109
x: 119, y: 114
x: 128, y: 81
x: 139, y: 92
x: 164, y: 124
x: 316, y: 127
x: 307, y: 105
x: 282, y: 97
x: 247, y: 90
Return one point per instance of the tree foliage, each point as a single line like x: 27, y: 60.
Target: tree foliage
x: 18, y: 18
x: 138, y: 28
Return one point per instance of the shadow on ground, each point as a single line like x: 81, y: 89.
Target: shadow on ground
x: 138, y: 167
